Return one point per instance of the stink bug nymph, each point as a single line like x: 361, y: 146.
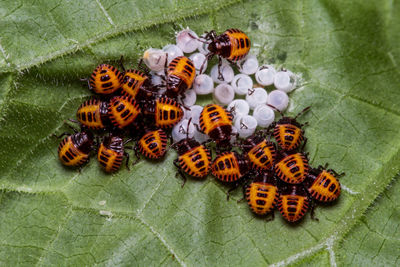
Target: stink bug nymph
x: 164, y: 112
x: 216, y: 122
x: 232, y: 45
x: 123, y: 111
x: 180, y: 76
x: 261, y: 153
x: 229, y: 166
x: 152, y: 144
x: 105, y: 79
x: 193, y: 158
x: 292, y: 168
x: 93, y: 114
x: 323, y: 184
x: 287, y: 131
x: 293, y: 202
x: 111, y: 153
x: 261, y: 192
x: 74, y: 150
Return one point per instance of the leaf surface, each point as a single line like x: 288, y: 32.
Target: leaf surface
x: 347, y: 55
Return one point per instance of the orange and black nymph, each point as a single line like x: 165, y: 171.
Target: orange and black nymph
x: 153, y: 144
x: 216, y: 122
x: 105, y: 79
x: 260, y: 152
x: 232, y: 45
x: 293, y: 202
x: 164, y: 112
x: 323, y: 184
x: 193, y: 158
x: 93, y: 114
x: 180, y: 76
x: 288, y: 132
x: 74, y: 150
x: 123, y: 111
x: 261, y: 192
x: 229, y: 167
x: 111, y: 153
x: 292, y: 168
x: 136, y: 84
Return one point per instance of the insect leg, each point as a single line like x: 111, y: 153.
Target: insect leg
x: 180, y: 172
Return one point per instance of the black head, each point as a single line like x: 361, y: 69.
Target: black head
x: 113, y: 140
x: 266, y: 177
x: 84, y: 141
x: 293, y: 189
x: 185, y: 145
x: 251, y: 142
x: 214, y: 47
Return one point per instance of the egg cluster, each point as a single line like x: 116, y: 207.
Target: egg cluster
x: 149, y: 105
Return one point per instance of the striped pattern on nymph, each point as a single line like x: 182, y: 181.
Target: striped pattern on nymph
x: 153, y: 144
x: 214, y: 116
x: 123, y: 111
x: 229, y: 167
x: 288, y: 136
x: 183, y: 68
x: 323, y: 185
x: 105, y: 79
x: 240, y: 44
x: 167, y: 112
x: 196, y: 162
x: 293, y: 168
x: 293, y: 202
x: 261, y: 197
x: 132, y: 82
x: 109, y: 159
x: 93, y: 114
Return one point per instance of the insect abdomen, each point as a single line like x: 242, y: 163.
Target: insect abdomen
x: 153, y: 144
x: 292, y: 169
x: 293, y: 207
x: 69, y: 154
x: 105, y: 79
x: 288, y: 136
x: 109, y: 159
x: 123, y: 111
x: 261, y: 197
x: 325, y: 188
x: 262, y: 156
x: 240, y: 44
x: 196, y: 162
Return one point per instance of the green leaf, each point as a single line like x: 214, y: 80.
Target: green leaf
x: 347, y: 54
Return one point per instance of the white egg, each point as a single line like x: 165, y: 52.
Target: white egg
x: 224, y: 93
x: 203, y: 84
x: 190, y: 98
x: 238, y: 107
x: 278, y: 99
x: 248, y: 65
x: 265, y: 75
x: 241, y: 83
x: 180, y: 131
x: 246, y: 125
x: 186, y: 40
x: 226, y: 72
x: 198, y: 60
x: 195, y: 112
x: 285, y: 81
x: 264, y: 115
x: 154, y: 59
x: 256, y: 96
x: 173, y: 51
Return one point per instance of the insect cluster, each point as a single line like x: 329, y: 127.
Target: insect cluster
x: 153, y: 103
